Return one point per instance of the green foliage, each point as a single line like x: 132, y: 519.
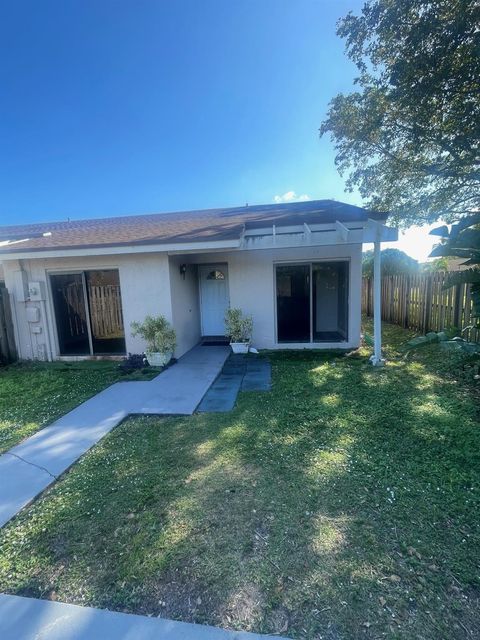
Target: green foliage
x: 237, y: 326
x: 445, y: 340
x: 157, y: 332
x: 408, y: 137
x: 33, y: 395
x: 462, y: 241
x: 347, y: 495
x: 393, y: 262
x: 440, y: 264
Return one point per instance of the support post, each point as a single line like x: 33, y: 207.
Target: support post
x: 377, y: 359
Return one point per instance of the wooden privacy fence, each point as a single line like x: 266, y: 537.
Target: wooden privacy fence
x: 8, y: 352
x: 419, y: 301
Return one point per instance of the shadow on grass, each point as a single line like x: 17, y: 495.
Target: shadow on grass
x: 343, y: 504
x: 33, y: 395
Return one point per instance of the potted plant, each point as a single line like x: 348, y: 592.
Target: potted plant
x: 239, y: 328
x: 160, y: 338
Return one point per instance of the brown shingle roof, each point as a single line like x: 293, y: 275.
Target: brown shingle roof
x: 179, y: 227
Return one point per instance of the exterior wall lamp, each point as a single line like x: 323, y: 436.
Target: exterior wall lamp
x: 183, y: 270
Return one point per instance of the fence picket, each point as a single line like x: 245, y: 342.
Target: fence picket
x: 421, y: 303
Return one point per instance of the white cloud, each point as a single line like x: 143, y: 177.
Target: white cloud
x: 291, y: 196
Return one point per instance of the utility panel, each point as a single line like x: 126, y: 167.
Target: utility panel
x: 36, y: 291
x: 33, y: 314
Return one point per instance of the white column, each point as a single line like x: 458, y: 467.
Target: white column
x: 376, y: 359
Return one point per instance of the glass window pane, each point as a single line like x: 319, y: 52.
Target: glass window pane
x: 330, y: 301
x: 106, y: 318
x: 293, y: 303
x: 216, y: 275
x: 70, y: 314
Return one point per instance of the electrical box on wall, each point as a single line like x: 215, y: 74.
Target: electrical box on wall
x: 36, y: 291
x: 33, y: 314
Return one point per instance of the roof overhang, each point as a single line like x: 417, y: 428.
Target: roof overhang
x: 271, y: 237
x: 317, y: 235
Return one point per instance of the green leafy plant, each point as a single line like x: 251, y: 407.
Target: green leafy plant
x: 446, y: 339
x: 238, y: 326
x: 157, y: 332
x: 462, y: 241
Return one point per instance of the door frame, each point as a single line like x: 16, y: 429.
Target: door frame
x: 310, y: 262
x: 210, y: 265
x: 51, y: 305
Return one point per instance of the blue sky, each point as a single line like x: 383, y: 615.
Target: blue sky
x: 114, y: 107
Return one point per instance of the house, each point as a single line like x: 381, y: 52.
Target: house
x: 76, y: 286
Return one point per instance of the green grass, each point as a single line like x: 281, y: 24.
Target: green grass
x: 343, y: 504
x: 34, y: 394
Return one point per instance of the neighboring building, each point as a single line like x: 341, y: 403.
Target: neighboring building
x: 75, y: 287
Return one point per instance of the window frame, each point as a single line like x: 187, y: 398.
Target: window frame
x: 310, y: 264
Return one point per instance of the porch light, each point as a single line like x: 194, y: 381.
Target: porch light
x: 183, y: 270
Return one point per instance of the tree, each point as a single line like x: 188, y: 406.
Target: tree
x: 393, y: 262
x: 462, y: 241
x: 439, y: 264
x: 409, y: 136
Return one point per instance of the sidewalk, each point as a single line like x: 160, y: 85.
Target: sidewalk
x: 28, y: 468
x: 30, y: 619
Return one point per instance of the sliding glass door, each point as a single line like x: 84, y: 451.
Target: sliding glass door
x: 330, y: 301
x: 70, y: 313
x: 293, y: 303
x: 88, y: 313
x: 312, y: 302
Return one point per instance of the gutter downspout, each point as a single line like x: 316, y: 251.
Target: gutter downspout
x: 376, y: 359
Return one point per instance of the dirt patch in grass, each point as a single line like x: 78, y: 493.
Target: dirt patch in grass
x: 343, y: 504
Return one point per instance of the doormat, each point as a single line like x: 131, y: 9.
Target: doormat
x: 214, y: 342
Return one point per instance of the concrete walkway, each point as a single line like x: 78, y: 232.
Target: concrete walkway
x: 27, y: 469
x: 240, y: 372
x: 30, y: 619
x: 30, y: 467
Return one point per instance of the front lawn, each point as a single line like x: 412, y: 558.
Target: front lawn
x: 344, y: 504
x: 34, y: 394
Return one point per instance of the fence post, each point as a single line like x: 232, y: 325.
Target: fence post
x: 407, y: 302
x: 457, y: 310
x: 428, y: 304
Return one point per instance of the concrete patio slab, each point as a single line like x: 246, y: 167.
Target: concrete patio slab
x: 240, y: 372
x: 30, y: 619
x: 28, y: 468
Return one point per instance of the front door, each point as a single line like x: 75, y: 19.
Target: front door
x: 214, y: 298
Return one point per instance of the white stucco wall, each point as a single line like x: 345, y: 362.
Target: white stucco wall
x: 144, y: 284
x: 252, y: 287
x: 185, y: 305
x: 151, y: 284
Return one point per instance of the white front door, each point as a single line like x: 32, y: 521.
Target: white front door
x: 214, y: 298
